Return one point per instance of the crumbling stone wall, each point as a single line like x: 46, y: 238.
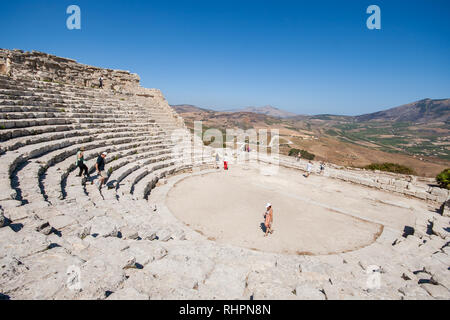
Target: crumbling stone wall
x: 402, y: 184
x: 45, y: 67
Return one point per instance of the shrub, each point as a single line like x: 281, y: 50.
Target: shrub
x: 443, y: 179
x: 305, y: 154
x: 390, y: 167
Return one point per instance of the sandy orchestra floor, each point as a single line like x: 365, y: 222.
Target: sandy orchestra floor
x: 312, y: 216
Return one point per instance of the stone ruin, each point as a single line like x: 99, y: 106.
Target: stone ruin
x: 60, y: 238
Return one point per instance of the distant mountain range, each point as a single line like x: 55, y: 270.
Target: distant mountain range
x: 419, y: 112
x: 267, y: 110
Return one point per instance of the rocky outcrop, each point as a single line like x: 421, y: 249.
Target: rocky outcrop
x: 45, y: 67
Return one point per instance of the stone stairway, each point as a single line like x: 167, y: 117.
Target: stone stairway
x: 42, y: 126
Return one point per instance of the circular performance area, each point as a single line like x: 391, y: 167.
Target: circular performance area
x: 312, y: 216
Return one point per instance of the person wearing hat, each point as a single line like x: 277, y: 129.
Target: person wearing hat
x: 80, y: 163
x: 268, y: 216
x: 100, y: 168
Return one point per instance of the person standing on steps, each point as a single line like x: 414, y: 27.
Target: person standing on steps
x: 308, y: 169
x: 217, y: 160
x: 100, y: 168
x: 268, y: 219
x: 322, y: 167
x: 100, y: 82
x: 8, y: 67
x: 225, y: 162
x: 80, y: 163
x: 299, y: 156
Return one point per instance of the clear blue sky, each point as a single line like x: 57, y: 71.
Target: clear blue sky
x: 307, y: 57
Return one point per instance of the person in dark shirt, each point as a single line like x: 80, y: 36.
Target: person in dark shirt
x: 100, y: 83
x: 100, y: 168
x: 80, y: 163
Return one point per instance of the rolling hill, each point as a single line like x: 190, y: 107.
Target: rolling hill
x: 415, y: 134
x: 267, y: 110
x: 419, y: 112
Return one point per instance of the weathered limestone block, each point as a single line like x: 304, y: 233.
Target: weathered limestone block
x: 441, y: 229
x: 309, y: 292
x: 411, y: 291
x: 17, y: 214
x: 3, y: 220
x: 441, y: 278
x: 421, y: 194
x: 439, y: 192
x: 436, y: 291
x: 99, y: 276
x: 179, y: 235
x: 130, y: 263
x: 104, y: 227
x: 22, y: 244
x: 61, y: 222
x: 400, y: 184
x: 149, y: 235
x: 164, y: 235
x: 83, y: 232
x: 146, y: 252
x: 129, y: 233
x: 383, y: 180
x: 445, y: 208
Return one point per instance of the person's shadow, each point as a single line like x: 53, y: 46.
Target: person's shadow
x: 263, y: 227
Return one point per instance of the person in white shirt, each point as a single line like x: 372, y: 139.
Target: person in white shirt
x: 308, y: 169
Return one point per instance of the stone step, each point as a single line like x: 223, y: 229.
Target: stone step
x: 64, y: 163
x: 134, y: 172
x: 14, y: 144
x: 152, y: 174
x: 67, y: 167
x: 40, y: 165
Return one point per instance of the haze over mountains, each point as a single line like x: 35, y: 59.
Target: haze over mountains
x: 267, y: 110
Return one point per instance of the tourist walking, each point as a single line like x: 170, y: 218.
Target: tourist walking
x: 299, y: 156
x: 80, y: 163
x: 322, y: 167
x: 308, y: 169
x: 225, y: 163
x: 268, y: 219
x: 100, y: 169
x: 8, y: 67
x: 100, y: 82
x: 217, y: 160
